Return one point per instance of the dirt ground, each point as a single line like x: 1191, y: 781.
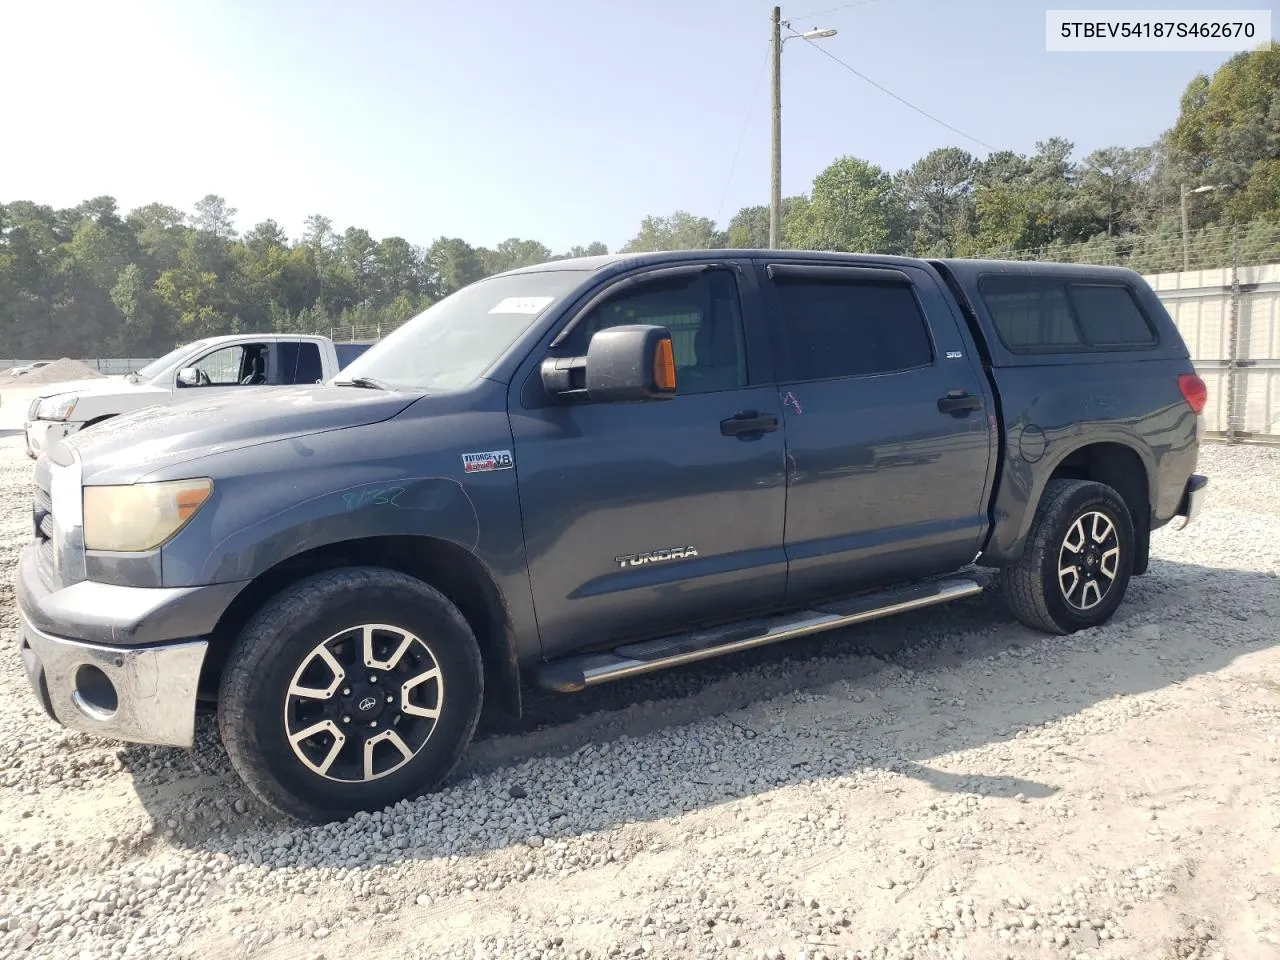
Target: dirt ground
x: 943, y: 784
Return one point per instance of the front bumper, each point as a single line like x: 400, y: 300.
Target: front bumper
x: 142, y: 694
x: 119, y: 662
x: 1193, y: 496
x: 43, y: 434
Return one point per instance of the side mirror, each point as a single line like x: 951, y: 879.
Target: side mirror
x: 633, y: 362
x: 188, y: 377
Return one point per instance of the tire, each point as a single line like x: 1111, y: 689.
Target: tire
x: 272, y: 690
x: 1037, y: 595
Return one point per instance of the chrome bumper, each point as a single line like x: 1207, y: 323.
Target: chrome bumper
x: 140, y: 694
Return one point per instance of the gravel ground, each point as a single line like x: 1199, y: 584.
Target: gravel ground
x: 944, y: 784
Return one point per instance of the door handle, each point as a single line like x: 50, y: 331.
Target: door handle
x: 748, y: 421
x: 959, y: 401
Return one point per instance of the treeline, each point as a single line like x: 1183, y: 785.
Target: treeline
x: 92, y: 280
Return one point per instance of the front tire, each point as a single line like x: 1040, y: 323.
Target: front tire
x: 1078, y: 559
x: 350, y: 690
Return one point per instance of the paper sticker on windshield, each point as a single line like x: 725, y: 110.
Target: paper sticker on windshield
x: 521, y: 305
x: 489, y: 460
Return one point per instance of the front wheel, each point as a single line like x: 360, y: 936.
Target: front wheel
x: 1076, y: 565
x: 351, y: 690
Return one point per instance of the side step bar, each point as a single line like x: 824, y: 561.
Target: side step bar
x: 577, y: 672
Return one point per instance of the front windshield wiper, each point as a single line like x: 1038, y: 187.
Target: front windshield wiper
x: 369, y: 383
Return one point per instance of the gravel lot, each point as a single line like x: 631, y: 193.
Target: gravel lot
x: 946, y: 784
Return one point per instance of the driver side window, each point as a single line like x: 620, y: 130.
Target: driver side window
x: 704, y: 318
x: 239, y: 364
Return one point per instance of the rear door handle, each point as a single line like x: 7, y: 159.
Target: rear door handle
x: 748, y: 421
x: 959, y: 401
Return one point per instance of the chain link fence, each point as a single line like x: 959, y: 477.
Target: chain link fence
x: 1214, y: 247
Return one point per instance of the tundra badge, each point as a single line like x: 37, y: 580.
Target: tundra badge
x: 655, y: 556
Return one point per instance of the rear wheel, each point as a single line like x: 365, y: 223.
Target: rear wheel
x: 1078, y: 559
x: 349, y: 691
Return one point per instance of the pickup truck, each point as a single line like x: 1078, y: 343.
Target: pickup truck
x: 590, y: 469
x: 193, y: 371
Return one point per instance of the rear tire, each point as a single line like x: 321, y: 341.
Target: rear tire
x: 350, y: 690
x: 1078, y: 559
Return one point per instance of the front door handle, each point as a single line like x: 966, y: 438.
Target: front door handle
x: 959, y: 401
x: 748, y: 421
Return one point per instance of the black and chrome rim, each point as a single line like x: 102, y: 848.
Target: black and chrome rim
x: 1089, y: 560
x: 363, y: 703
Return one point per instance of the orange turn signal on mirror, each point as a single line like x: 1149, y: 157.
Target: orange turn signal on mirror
x: 664, y: 366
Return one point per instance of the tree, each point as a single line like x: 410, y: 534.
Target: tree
x: 358, y: 252
x: 214, y: 216
x: 454, y: 264
x: 1228, y: 123
x: 318, y: 233
x: 144, y: 330
x: 161, y: 233
x: 398, y: 268
x: 513, y: 253
x: 680, y: 231
x: 1110, y: 183
x: 265, y: 236
x: 938, y: 195
x: 852, y: 207
x: 593, y: 249
x: 749, y: 228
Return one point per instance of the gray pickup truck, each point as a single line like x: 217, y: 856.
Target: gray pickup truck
x: 591, y: 469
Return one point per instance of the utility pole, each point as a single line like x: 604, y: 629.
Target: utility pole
x: 775, y: 194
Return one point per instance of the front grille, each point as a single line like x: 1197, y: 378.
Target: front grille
x: 31, y: 410
x: 42, y: 519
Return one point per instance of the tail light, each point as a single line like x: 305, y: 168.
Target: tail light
x: 1193, y: 391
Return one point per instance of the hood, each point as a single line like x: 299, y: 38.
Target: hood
x: 129, y: 446
x: 95, y: 386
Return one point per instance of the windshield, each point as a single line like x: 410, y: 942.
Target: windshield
x: 453, y: 342
x: 155, y: 366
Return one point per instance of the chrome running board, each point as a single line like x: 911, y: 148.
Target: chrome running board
x: 576, y: 672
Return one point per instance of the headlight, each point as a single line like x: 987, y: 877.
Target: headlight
x: 56, y: 408
x: 140, y: 516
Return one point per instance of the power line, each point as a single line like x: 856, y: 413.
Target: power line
x: 826, y: 53
x: 847, y: 6
x: 741, y: 137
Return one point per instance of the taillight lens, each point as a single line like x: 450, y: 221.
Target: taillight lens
x: 1193, y: 391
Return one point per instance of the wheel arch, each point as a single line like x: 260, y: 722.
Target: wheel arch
x: 453, y: 570
x: 1116, y: 461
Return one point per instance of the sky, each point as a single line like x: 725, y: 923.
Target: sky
x: 564, y: 121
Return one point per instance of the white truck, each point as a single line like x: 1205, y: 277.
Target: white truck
x: 187, y: 373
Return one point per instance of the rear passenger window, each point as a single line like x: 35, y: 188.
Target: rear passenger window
x: 299, y: 362
x: 1109, y: 316
x: 841, y: 329
x: 1044, y: 315
x: 1030, y: 313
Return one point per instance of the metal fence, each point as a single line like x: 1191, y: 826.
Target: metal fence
x: 1230, y: 319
